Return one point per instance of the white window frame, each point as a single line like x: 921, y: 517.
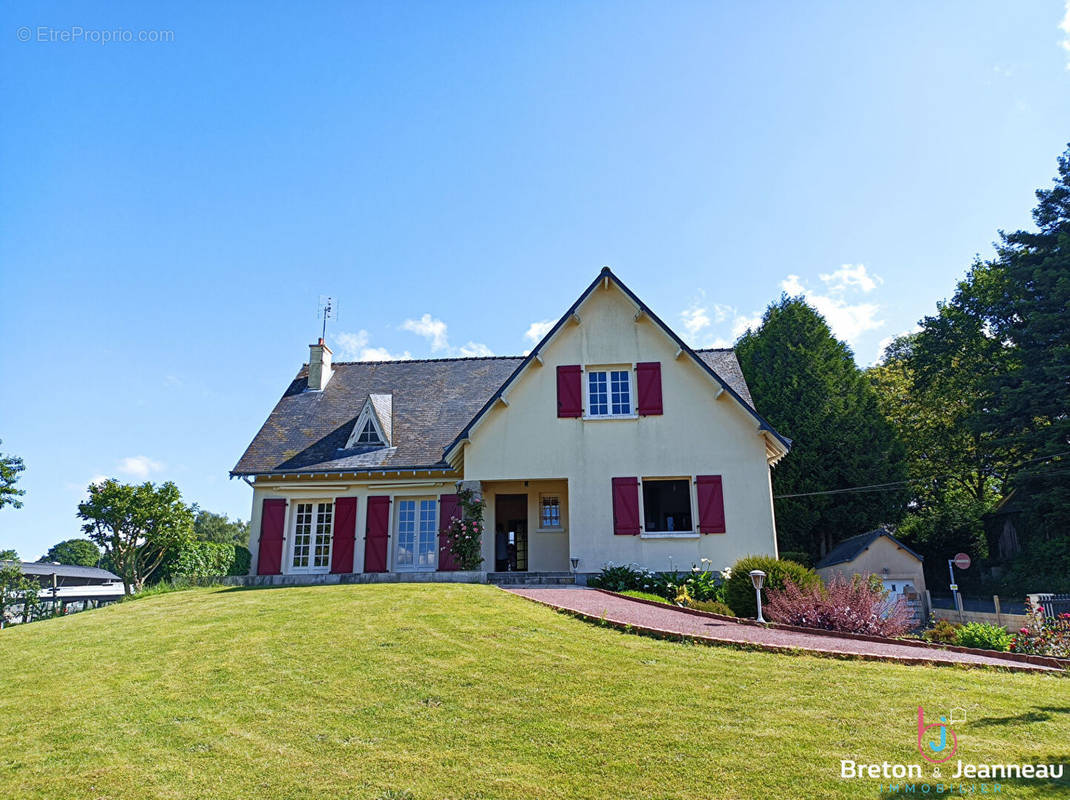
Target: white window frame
x: 291, y: 527
x: 608, y: 369
x: 689, y: 533
x: 396, y: 519
x: 367, y: 414
x: 560, y: 526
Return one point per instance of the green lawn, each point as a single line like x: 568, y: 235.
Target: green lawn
x: 432, y: 691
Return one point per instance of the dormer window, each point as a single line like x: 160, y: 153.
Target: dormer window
x: 374, y: 425
x: 369, y: 435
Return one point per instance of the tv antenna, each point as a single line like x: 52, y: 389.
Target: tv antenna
x: 327, y: 310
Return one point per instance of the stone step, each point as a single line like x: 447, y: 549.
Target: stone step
x: 531, y: 578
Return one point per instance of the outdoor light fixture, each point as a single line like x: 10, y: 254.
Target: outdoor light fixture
x: 757, y: 577
x: 575, y: 563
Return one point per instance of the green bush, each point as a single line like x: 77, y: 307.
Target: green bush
x: 203, y: 560
x: 739, y: 592
x: 243, y: 559
x: 986, y: 637
x: 799, y: 557
x: 645, y: 596
x: 713, y: 607
x: 942, y: 631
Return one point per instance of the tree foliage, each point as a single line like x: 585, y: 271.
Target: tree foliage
x: 9, y: 555
x: 806, y: 384
x: 210, y: 527
x: 136, y: 525
x: 10, y: 468
x: 1030, y: 315
x: 76, y: 552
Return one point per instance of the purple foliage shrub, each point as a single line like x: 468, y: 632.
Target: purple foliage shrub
x: 849, y: 605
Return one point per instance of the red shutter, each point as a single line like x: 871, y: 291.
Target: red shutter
x: 376, y: 534
x: 345, y: 531
x: 569, y: 391
x: 448, y: 508
x: 626, y: 506
x: 272, y: 521
x: 710, y: 504
x: 648, y: 387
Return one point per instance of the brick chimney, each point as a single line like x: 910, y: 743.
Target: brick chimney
x: 319, y: 366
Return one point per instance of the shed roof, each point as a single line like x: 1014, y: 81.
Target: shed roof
x: 851, y: 548
x: 64, y: 570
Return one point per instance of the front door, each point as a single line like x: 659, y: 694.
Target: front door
x: 511, y: 533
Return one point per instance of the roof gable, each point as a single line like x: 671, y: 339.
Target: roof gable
x: 779, y: 445
x: 849, y: 549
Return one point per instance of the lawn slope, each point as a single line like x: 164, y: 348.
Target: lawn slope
x: 430, y: 691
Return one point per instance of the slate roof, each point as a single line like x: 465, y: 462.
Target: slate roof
x: 850, y: 548
x: 432, y: 402
x: 64, y: 570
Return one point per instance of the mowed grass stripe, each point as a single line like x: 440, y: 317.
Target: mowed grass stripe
x: 461, y: 691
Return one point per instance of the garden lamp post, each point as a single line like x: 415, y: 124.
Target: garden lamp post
x: 757, y: 577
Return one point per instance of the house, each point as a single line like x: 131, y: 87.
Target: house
x: 69, y: 587
x: 877, y: 553
x: 611, y: 441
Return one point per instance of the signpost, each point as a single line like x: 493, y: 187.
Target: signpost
x: 962, y: 561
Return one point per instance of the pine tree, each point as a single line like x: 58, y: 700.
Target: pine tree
x: 1031, y: 411
x: 806, y: 383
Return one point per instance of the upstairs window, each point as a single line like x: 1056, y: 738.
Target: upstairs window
x: 369, y: 435
x: 609, y: 393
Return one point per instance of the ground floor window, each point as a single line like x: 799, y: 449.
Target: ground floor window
x: 549, y: 511
x: 666, y: 505
x: 313, y: 524
x: 417, y: 534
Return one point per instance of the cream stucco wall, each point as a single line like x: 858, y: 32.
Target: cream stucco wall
x: 295, y: 490
x: 881, y: 554
x: 698, y: 434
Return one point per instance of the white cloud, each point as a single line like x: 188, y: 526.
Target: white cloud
x: 741, y: 324
x: 1064, y: 26
x: 382, y: 354
x: 700, y: 318
x: 850, y: 275
x: 476, y: 349
x: 537, y: 330
x: 434, y: 330
x: 354, y: 347
x: 696, y: 319
x: 848, y: 321
x: 139, y: 466
x: 96, y: 480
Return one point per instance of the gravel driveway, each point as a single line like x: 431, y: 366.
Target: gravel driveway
x: 669, y: 620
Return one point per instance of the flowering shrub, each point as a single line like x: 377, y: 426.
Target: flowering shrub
x: 1043, y: 636
x: 986, y: 637
x: 700, y: 583
x: 464, y: 533
x: 850, y: 605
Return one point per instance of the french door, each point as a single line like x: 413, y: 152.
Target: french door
x: 417, y: 535
x: 313, y: 525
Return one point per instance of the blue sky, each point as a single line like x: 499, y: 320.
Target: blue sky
x: 455, y: 174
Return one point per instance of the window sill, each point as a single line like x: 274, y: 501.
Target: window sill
x: 670, y: 535
x: 600, y: 417
x: 550, y: 530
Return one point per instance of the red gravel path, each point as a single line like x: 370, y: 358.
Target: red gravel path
x: 665, y: 619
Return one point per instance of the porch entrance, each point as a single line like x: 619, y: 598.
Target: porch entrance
x: 511, y: 533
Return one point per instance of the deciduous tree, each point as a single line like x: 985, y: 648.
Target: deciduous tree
x: 136, y: 525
